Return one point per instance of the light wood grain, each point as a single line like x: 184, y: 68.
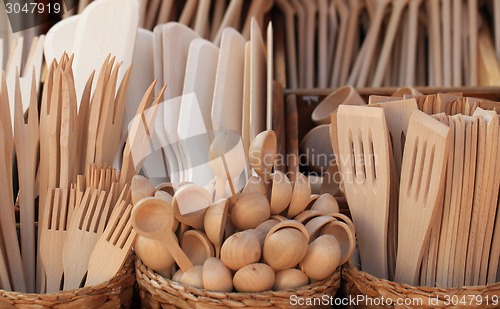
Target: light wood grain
x: 358, y: 147
x: 422, y: 187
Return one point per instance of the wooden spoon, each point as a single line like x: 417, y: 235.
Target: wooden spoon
x: 227, y: 160
x: 153, y: 218
x: 422, y: 187
x: 262, y: 154
x: 214, y: 223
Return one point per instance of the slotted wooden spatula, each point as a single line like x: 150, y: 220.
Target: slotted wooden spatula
x: 422, y: 187
x: 363, y: 140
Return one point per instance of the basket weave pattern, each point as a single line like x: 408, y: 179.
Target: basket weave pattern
x: 356, y: 282
x: 158, y: 292
x: 115, y: 293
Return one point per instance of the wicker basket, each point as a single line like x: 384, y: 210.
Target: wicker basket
x: 115, y: 293
x: 158, y: 292
x: 371, y: 292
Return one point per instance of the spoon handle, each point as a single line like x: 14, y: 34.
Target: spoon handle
x: 179, y: 256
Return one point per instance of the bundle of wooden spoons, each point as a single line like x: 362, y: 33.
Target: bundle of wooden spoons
x: 263, y: 252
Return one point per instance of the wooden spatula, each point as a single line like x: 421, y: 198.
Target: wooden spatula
x: 422, y: 187
x: 488, y: 203
x: 471, y: 127
x: 366, y: 175
x: 113, y: 247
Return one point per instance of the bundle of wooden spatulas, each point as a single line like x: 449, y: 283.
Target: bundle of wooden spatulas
x: 421, y: 180
x: 64, y: 181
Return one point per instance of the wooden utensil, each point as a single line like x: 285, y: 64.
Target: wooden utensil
x: 257, y: 11
x: 26, y: 139
x: 487, y: 210
x: 422, y: 187
x: 195, y: 123
x: 108, y: 33
x: 227, y: 161
x: 390, y: 34
x: 270, y: 77
x: 113, y: 247
x: 7, y: 220
x: 228, y: 89
x: 83, y: 233
x: 451, y: 207
x: 291, y: 55
x: 292, y: 134
x: 357, y: 148
x: 343, y: 11
x: 54, y: 230
x: 197, y: 246
x: 59, y: 39
x: 258, y: 81
x: 370, y: 42
x: 214, y: 223
x: 262, y: 154
x: 471, y: 136
x: 231, y: 19
x: 319, y: 154
x: 153, y: 218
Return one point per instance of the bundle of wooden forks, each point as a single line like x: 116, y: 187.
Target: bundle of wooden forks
x: 61, y: 156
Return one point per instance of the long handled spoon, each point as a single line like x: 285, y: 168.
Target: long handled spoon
x: 153, y: 218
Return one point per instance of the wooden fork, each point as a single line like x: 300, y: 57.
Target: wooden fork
x: 83, y: 233
x: 54, y: 229
x: 113, y: 247
x: 26, y: 138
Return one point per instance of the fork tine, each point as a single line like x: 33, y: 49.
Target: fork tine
x: 97, y: 213
x: 113, y: 221
x: 72, y: 203
x: 63, y: 209
x: 115, y: 232
x: 86, y: 202
x: 102, y: 219
x: 120, y: 227
x: 47, y: 218
x: 89, y: 213
x: 56, y: 210
x: 125, y: 227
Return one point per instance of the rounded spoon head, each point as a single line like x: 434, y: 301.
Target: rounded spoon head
x: 262, y: 152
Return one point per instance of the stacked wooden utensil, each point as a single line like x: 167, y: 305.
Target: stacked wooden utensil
x: 363, y: 43
x: 75, y: 213
x: 419, y: 177
x: 274, y: 235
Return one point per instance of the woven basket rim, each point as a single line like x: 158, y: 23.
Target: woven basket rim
x: 370, y: 278
x: 83, y: 291
x: 144, y: 273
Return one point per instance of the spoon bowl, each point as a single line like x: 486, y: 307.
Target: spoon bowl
x: 281, y: 192
x: 262, y: 152
x: 326, y: 203
x: 215, y: 223
x: 344, y: 236
x: 197, y: 246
